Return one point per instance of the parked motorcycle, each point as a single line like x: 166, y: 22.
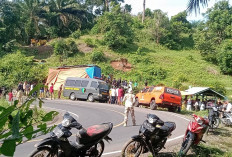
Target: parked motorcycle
x: 89, y: 142
x: 194, y: 133
x: 215, y: 119
x: 152, y: 137
x: 226, y: 118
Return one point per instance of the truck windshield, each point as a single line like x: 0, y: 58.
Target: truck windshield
x: 103, y: 85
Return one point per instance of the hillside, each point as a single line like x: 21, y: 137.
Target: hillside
x: 147, y: 61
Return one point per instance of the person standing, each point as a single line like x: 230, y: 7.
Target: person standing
x: 10, y: 94
x: 24, y: 86
x: 120, y: 95
x: 196, y: 105
x: 20, y: 93
x: 27, y: 89
x: 60, y: 91
x: 146, y: 83
x: 51, y: 90
x: 189, y: 104
x: 129, y: 100
x: 136, y: 84
x: 228, y: 106
x: 113, y: 95
x: 41, y: 91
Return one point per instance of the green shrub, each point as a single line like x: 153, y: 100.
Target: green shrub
x: 98, y: 56
x: 76, y: 34
x: 60, y: 47
x: 115, y: 26
x: 225, y: 57
x: 9, y: 46
x: 71, y: 47
x: 17, y: 67
x: 89, y: 42
x: 65, y: 48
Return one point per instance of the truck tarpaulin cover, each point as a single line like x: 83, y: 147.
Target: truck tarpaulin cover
x: 57, y: 76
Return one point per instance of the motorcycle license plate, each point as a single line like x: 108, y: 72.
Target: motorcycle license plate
x: 58, y: 132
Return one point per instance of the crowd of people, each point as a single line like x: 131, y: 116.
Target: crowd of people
x: 198, y: 105
x: 118, y: 90
x: 24, y: 88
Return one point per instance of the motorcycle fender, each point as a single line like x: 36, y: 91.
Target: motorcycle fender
x: 46, y: 142
x: 137, y: 137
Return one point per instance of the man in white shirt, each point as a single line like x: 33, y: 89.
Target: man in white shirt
x: 129, y: 99
x: 113, y: 95
x: 228, y: 107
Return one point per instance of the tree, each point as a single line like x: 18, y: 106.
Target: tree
x: 194, y: 5
x: 127, y: 8
x: 17, y: 67
x: 225, y: 57
x: 20, y: 123
x: 219, y: 20
x: 115, y: 26
x: 102, y: 5
x: 158, y: 24
x: 178, y: 35
x: 209, y: 35
x: 144, y: 6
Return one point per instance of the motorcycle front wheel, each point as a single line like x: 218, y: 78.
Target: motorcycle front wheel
x: 186, y: 145
x: 215, y: 123
x: 132, y: 149
x: 43, y: 152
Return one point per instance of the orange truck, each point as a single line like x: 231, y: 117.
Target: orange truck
x: 154, y: 97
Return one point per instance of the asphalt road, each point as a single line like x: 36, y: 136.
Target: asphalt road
x: 97, y: 113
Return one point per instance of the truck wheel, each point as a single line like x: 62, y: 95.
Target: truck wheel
x: 90, y: 98
x: 136, y: 104
x: 72, y: 96
x: 153, y: 105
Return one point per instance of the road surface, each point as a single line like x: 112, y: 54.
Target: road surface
x: 97, y: 113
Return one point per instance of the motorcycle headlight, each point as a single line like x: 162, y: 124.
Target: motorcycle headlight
x: 66, y: 122
x: 151, y: 120
x: 199, y: 121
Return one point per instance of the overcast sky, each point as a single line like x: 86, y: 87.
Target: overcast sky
x: 171, y: 7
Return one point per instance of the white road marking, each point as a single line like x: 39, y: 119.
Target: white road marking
x: 119, y: 151
x: 169, y: 140
x: 63, y: 111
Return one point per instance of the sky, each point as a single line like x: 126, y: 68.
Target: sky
x: 171, y: 7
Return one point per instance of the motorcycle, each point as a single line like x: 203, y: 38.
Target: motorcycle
x: 89, y: 142
x: 215, y: 119
x: 194, y: 133
x: 213, y: 116
x: 226, y: 118
x: 152, y: 137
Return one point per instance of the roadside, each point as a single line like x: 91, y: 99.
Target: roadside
x: 56, y: 120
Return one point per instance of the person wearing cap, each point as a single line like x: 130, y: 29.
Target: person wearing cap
x: 129, y: 100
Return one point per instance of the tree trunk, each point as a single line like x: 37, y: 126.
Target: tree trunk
x: 143, y: 16
x: 106, y: 5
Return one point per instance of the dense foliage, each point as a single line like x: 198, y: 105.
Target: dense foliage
x: 21, y: 123
x: 17, y: 67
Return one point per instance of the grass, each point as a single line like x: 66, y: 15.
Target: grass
x: 183, y: 68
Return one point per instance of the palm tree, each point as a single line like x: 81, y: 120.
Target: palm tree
x: 194, y: 5
x: 66, y: 14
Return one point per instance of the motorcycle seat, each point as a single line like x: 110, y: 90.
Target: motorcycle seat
x: 167, y: 128
x: 93, y: 133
